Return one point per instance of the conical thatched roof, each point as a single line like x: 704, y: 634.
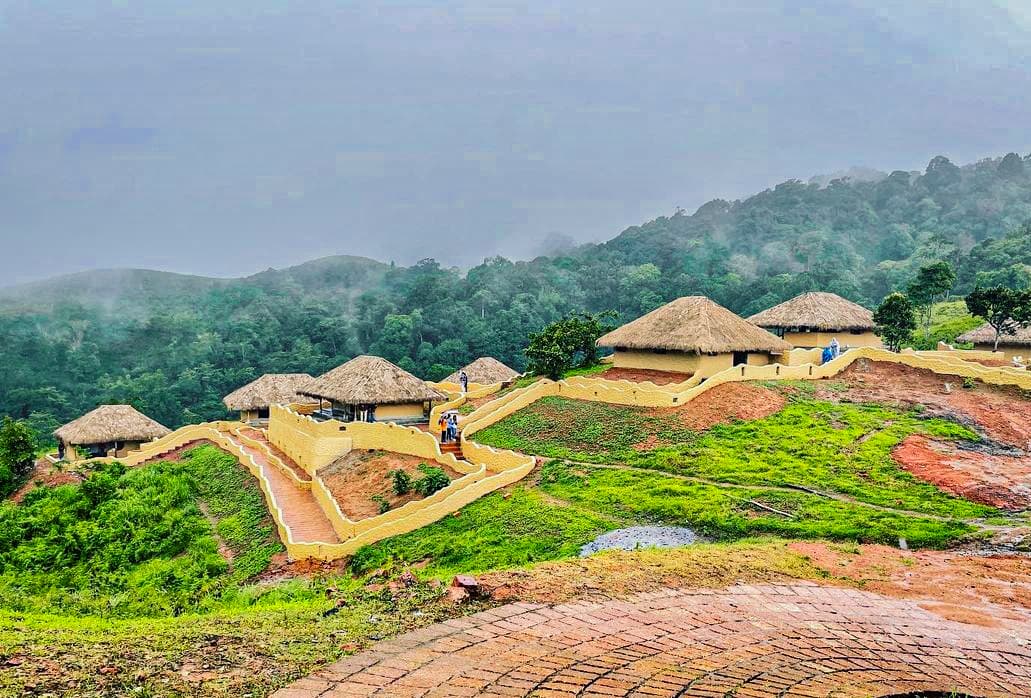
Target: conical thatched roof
x: 109, y: 423
x: 985, y: 334
x: 370, y: 380
x: 693, y: 324
x: 270, y: 389
x: 816, y: 310
x: 485, y: 371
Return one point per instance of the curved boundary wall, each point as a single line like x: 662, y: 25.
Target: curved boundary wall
x: 622, y: 392
x: 485, y: 469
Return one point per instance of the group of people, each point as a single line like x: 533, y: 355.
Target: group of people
x: 831, y: 352
x: 448, y: 424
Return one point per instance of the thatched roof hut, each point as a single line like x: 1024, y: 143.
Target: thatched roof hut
x: 985, y: 334
x: 816, y: 310
x: 694, y: 324
x: 270, y: 389
x: 486, y: 370
x: 109, y: 424
x: 370, y: 380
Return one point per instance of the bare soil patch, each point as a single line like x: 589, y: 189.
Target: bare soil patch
x: 1001, y: 413
x: 360, y: 475
x: 1000, y: 480
x: 986, y: 591
x: 642, y: 375
x: 46, y: 474
x: 725, y: 403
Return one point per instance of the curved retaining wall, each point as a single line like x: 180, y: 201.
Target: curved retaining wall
x: 624, y: 392
x: 485, y: 469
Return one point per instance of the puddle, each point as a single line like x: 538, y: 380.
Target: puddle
x: 642, y: 537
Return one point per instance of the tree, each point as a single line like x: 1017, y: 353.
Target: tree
x: 895, y: 320
x: 567, y: 343
x: 18, y: 446
x: 932, y: 284
x: 1003, y: 308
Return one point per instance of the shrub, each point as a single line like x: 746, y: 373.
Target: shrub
x: 381, y: 501
x: 17, y: 450
x: 433, y: 479
x: 402, y: 482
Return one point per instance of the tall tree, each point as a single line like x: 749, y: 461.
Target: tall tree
x: 568, y: 343
x: 1003, y: 308
x: 895, y: 320
x: 932, y: 284
x: 18, y: 446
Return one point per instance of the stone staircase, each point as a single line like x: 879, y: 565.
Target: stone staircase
x: 454, y: 448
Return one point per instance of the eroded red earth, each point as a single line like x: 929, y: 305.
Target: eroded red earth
x: 996, y: 472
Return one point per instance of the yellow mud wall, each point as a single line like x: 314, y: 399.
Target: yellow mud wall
x: 1007, y: 351
x: 308, y: 443
x: 808, y: 340
x: 387, y: 413
x: 759, y: 359
x: 127, y: 448
x: 679, y: 362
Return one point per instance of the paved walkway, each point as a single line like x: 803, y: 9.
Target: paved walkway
x: 793, y: 640
x: 301, y: 511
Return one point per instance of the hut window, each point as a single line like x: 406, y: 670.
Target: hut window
x: 740, y: 357
x: 263, y: 413
x: 856, y: 331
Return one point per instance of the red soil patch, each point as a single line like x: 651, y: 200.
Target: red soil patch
x: 44, y: 474
x: 725, y: 403
x: 1002, y: 481
x: 1003, y: 413
x: 987, y: 591
x: 642, y: 375
x: 357, y: 477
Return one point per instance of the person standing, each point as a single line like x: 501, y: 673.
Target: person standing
x: 835, y: 348
x: 463, y: 379
x: 445, y: 427
x: 453, y: 426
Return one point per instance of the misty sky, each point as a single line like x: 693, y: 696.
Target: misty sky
x: 223, y: 138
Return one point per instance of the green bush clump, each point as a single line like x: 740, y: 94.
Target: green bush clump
x: 381, y: 502
x: 402, y: 482
x: 433, y: 479
x: 135, y: 542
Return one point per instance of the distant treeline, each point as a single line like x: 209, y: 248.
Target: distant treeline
x: 175, y: 353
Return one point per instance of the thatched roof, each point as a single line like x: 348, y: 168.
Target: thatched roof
x: 985, y: 334
x: 816, y: 310
x: 693, y: 324
x: 270, y: 389
x: 485, y: 371
x: 109, y: 423
x: 370, y: 380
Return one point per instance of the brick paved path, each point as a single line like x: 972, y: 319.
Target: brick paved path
x: 746, y: 641
x: 301, y: 511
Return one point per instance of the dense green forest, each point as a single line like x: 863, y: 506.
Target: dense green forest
x: 173, y: 345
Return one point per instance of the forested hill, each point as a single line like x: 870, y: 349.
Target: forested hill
x: 173, y: 345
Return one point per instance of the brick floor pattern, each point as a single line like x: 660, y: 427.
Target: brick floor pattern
x: 797, y: 640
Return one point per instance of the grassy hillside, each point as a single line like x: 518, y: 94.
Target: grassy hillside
x: 146, y: 541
